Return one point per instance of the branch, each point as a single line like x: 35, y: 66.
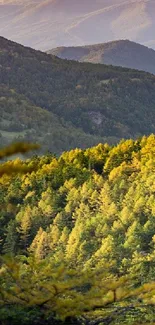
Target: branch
x: 15, y: 148
x: 118, y: 311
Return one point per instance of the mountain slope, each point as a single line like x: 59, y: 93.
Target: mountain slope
x: 84, y: 103
x: 45, y: 24
x: 118, y: 53
x: 20, y: 119
x: 93, y: 209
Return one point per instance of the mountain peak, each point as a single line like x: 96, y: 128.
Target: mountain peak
x: 123, y: 53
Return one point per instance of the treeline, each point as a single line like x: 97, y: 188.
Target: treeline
x: 77, y: 236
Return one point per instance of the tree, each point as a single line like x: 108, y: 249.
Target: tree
x: 10, y: 245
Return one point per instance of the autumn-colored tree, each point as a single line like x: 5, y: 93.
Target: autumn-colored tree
x: 80, y: 232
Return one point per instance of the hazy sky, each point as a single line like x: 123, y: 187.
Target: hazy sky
x: 44, y: 24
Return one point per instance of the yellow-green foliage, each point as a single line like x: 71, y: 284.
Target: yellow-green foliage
x: 68, y: 292
x: 17, y: 148
x: 80, y: 233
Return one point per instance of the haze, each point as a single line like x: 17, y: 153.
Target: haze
x: 45, y: 24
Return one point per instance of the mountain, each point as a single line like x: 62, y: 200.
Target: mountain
x: 65, y: 104
x: 45, y: 24
x: 118, y: 53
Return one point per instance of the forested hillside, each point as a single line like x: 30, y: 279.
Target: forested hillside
x: 79, y: 232
x: 21, y: 119
x: 122, y: 53
x: 74, y: 104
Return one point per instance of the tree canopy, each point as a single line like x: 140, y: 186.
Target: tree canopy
x: 77, y: 236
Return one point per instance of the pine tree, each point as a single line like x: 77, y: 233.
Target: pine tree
x: 11, y: 240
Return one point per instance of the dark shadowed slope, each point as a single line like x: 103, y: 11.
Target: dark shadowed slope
x: 72, y: 103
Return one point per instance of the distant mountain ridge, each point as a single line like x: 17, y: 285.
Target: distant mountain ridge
x: 46, y: 24
x: 118, y: 53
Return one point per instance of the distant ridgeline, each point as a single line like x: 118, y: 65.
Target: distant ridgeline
x: 122, y: 53
x: 64, y: 104
x: 89, y: 213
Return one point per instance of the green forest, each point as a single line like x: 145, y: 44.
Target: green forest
x: 65, y: 104
x: 77, y: 236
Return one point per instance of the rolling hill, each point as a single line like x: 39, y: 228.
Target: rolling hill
x: 118, y: 53
x: 65, y: 104
x: 45, y: 24
x: 21, y: 120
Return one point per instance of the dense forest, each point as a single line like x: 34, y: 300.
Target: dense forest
x: 74, y: 104
x: 35, y: 124
x: 77, y: 236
